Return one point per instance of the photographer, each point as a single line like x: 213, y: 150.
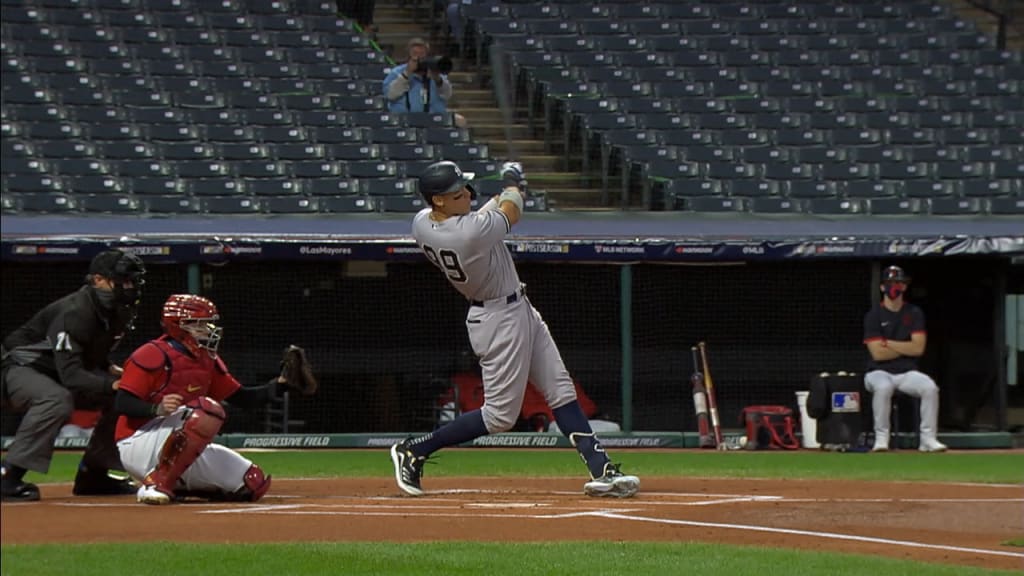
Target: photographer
x: 421, y: 84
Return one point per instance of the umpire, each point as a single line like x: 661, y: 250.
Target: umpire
x: 59, y: 360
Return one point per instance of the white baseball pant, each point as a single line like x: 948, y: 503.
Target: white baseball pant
x: 883, y: 385
x: 217, y: 467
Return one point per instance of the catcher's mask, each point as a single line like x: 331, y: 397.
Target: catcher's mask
x: 444, y: 178
x: 894, y: 282
x: 191, y: 320
x: 125, y: 271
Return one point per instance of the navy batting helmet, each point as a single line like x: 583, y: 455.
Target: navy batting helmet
x: 895, y: 274
x: 443, y: 178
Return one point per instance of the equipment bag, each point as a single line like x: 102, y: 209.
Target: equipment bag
x: 769, y: 428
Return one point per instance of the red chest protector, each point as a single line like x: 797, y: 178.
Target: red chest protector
x: 183, y: 374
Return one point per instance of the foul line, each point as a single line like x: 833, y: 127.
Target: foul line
x: 830, y: 535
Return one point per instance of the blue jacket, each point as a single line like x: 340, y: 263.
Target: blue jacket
x: 412, y: 101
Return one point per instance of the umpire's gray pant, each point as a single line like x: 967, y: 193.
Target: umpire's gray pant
x: 47, y: 406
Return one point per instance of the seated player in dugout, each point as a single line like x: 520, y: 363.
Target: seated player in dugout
x: 894, y: 334
x: 170, y: 402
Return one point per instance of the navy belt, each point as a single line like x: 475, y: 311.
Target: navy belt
x: 510, y: 299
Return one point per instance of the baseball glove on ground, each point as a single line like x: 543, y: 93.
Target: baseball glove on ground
x: 296, y: 372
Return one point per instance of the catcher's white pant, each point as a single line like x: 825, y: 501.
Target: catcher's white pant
x: 514, y: 344
x: 882, y: 385
x: 216, y: 468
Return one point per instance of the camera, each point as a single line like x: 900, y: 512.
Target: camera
x: 442, y: 64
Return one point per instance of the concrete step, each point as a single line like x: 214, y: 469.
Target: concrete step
x: 493, y: 132
x: 554, y: 180
x: 574, y: 198
x: 481, y: 115
x: 501, y: 148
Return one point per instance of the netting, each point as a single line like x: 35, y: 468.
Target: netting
x: 385, y: 339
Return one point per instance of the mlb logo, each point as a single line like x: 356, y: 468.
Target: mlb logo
x: 846, y: 401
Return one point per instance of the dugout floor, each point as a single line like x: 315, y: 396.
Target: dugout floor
x: 947, y: 523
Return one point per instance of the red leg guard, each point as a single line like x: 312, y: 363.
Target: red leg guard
x: 185, y: 444
x: 256, y: 483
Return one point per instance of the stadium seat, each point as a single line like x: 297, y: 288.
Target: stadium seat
x: 272, y: 186
x: 1007, y: 206
x: 315, y: 169
x: 351, y: 204
x: 408, y: 203
x: 835, y: 206
x: 895, y: 206
x: 230, y: 205
x: 332, y: 186
x: 958, y: 206
x: 109, y: 203
x: 291, y: 204
x: 775, y: 205
x: 53, y: 202
x: 156, y: 186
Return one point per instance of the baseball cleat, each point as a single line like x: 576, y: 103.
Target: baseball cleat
x: 408, y: 468
x: 880, y: 447
x: 20, y: 492
x: 932, y: 446
x: 613, y: 484
x: 101, y: 483
x: 151, y: 495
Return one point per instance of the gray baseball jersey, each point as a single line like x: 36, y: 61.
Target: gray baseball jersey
x: 470, y: 252
x: 506, y: 332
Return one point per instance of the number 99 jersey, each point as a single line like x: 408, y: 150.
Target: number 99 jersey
x: 470, y: 251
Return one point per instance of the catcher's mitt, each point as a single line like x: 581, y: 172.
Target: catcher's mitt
x: 296, y: 372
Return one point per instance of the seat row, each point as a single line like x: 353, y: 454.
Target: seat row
x: 179, y: 204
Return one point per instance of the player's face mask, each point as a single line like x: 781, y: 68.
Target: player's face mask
x: 895, y: 289
x: 205, y: 333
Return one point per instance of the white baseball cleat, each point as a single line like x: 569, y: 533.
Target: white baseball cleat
x: 931, y: 445
x: 613, y: 484
x: 150, y: 495
x: 880, y: 447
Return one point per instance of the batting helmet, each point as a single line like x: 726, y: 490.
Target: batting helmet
x: 895, y: 274
x: 443, y: 178
x: 191, y: 320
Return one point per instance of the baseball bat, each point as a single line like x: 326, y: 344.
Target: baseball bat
x: 503, y: 85
x: 709, y: 384
x: 700, y: 402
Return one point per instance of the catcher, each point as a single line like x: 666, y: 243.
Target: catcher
x: 169, y: 402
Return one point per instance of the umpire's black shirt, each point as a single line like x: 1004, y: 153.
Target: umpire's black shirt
x: 70, y: 340
x: 880, y: 323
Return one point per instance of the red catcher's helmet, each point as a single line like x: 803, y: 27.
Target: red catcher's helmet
x: 191, y: 320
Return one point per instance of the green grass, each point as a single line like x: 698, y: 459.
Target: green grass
x: 353, y: 559
x: 907, y: 465
x: 559, y: 559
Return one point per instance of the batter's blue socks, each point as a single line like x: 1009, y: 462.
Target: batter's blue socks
x: 467, y: 426
x: 576, y: 427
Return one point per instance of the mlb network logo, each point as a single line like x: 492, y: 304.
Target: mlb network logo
x: 846, y: 401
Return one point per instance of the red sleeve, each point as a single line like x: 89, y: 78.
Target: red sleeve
x: 143, y: 372
x: 223, y: 384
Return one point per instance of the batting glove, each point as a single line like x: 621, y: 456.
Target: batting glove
x: 512, y: 174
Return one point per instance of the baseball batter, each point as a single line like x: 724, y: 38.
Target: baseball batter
x: 507, y: 334
x: 895, y: 337
x: 169, y: 400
